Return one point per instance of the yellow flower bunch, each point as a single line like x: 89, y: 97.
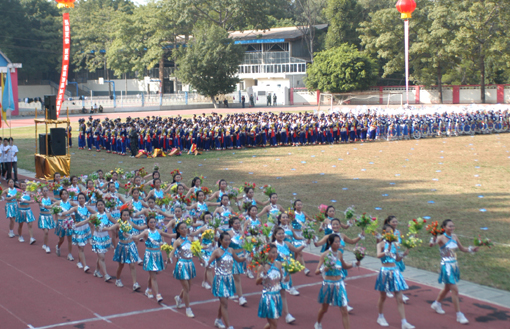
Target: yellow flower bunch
x: 292, y: 266
x: 167, y: 248
x: 124, y: 226
x: 208, y: 234
x: 196, y: 248
x: 189, y: 221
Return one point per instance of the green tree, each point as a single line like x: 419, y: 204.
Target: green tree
x: 341, y: 69
x: 309, y: 13
x: 343, y: 17
x: 209, y: 62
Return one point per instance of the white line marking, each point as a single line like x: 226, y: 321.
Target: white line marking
x: 165, y: 307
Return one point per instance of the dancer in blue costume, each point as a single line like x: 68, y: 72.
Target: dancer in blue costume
x: 224, y: 211
x: 236, y: 236
x: 270, y: 276
x: 81, y: 232
x: 101, y: 241
x: 177, y: 180
x: 11, y: 207
x: 285, y: 251
x: 153, y: 258
x: 196, y: 183
x: 223, y: 284
x: 300, y: 218
x: 138, y: 206
x: 56, y: 191
x: 199, y: 208
x: 184, y: 268
x: 114, y: 212
x: 90, y: 188
x: 222, y: 186
x: 247, y: 200
x: 76, y: 187
x: 393, y: 222
x: 153, y: 208
x: 252, y: 223
x: 326, y: 224
x: 126, y: 251
x: 100, y: 182
x: 45, y: 221
x: 207, y: 247
x: 390, y: 279
x: 273, y: 209
x: 25, y: 214
x: 450, y: 273
x: 332, y: 267
x: 157, y: 192
x: 64, y: 227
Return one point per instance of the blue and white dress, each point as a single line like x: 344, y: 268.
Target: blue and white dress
x: 224, y: 215
x: 236, y: 244
x: 11, y: 207
x: 56, y: 193
x: 333, y: 291
x: 201, y: 208
x: 450, y: 272
x: 270, y: 304
x: 78, y: 190
x: 126, y: 251
x: 328, y: 229
x: 101, y: 241
x: 45, y: 217
x: 207, y: 250
x: 284, y: 253
x: 274, y: 211
x: 116, y: 212
x: 390, y: 278
x: 400, y: 263
x: 81, y: 234
x: 63, y: 228
x: 297, y: 225
x: 25, y: 214
x: 137, y: 207
x: 184, y: 268
x: 153, y: 259
x: 223, y: 283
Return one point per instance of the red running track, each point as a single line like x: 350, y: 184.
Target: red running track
x: 41, y: 290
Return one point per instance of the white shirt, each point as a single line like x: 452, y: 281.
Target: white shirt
x: 13, y: 153
x: 5, y: 152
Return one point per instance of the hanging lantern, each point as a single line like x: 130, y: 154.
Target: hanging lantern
x: 65, y: 3
x: 405, y: 8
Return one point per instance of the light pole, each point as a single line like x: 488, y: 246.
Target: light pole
x: 406, y: 8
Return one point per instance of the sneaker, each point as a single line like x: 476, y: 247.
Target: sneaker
x: 79, y: 265
x: 118, y: 283
x: 57, y: 250
x: 407, y: 325
x: 462, y: 319
x: 70, y: 257
x: 293, y: 291
x: 148, y: 293
x: 48, y: 250
x: 382, y: 322
x: 159, y: 298
x: 206, y: 285
x: 107, y: 278
x: 250, y: 275
x: 349, y: 308
x: 242, y: 301
x: 20, y: 239
x: 86, y: 269
x: 405, y: 298
x: 437, y: 307
x: 219, y: 324
x: 189, y: 313
x: 289, y: 318
x: 178, y: 302
x: 389, y: 294
x: 317, y: 325
x: 136, y: 286
x: 306, y: 273
x: 97, y: 274
x: 32, y: 240
x: 11, y: 234
x: 44, y: 247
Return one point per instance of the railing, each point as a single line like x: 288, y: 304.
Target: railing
x: 273, y: 68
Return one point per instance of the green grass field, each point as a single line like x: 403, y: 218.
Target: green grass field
x: 461, y: 175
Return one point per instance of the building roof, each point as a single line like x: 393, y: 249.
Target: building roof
x: 279, y: 34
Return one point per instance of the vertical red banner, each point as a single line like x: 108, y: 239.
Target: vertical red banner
x: 65, y: 62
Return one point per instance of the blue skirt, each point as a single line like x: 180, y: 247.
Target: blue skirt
x: 46, y: 222
x: 101, y: 242
x: 11, y: 209
x: 239, y: 268
x: 450, y: 272
x: 401, y: 266
x: 153, y: 261
x: 270, y: 305
x: 390, y: 279
x: 184, y: 269
x: 139, y: 222
x: 333, y: 293
x: 61, y: 231
x: 82, y: 235
x: 223, y: 286
x: 206, y: 254
x: 25, y: 216
x: 126, y: 253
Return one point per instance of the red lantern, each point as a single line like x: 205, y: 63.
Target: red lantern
x: 65, y: 3
x: 405, y: 8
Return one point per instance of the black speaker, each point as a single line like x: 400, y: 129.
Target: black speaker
x: 58, y: 141
x: 50, y: 105
x: 42, y: 144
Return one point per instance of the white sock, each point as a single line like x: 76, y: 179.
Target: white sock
x: 437, y: 303
x: 459, y: 313
x: 11, y: 231
x: 404, y: 321
x: 188, y: 309
x: 381, y: 316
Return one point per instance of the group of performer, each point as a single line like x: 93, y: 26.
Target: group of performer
x: 93, y: 212
x: 248, y: 130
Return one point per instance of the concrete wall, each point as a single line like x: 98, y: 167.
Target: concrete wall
x: 32, y: 91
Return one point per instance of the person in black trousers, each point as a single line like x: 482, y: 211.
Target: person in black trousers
x: 133, y: 141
